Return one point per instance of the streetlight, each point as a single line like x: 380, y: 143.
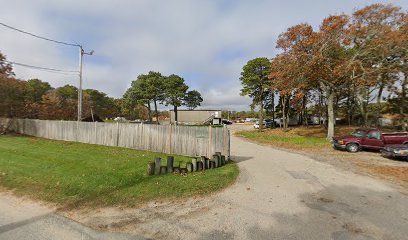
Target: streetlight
x: 81, y: 55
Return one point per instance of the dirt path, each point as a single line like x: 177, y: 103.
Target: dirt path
x: 23, y: 219
x: 279, y: 195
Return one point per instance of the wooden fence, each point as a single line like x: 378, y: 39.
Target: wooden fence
x: 170, y: 139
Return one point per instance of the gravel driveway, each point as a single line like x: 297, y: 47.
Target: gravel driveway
x: 279, y: 195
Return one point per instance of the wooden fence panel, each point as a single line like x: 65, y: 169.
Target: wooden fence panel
x: 170, y: 139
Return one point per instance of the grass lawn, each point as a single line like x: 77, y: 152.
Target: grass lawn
x: 311, y: 140
x: 76, y: 174
x: 309, y: 137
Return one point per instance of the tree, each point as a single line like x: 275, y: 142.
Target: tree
x: 146, y: 89
x: 255, y: 83
x: 155, y: 89
x: 101, y: 104
x: 36, y: 89
x: 137, y: 95
x: 328, y: 64
x: 6, y: 70
x: 375, y: 52
x: 192, y: 99
x: 174, y: 93
x: 11, y: 91
x: 12, y: 97
x: 62, y: 104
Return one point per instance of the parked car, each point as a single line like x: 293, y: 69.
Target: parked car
x: 226, y: 122
x: 266, y: 124
x: 395, y: 151
x: 369, y: 139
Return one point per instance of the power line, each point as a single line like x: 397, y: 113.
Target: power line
x: 40, y: 37
x: 42, y: 68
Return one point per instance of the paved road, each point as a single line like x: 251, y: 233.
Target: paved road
x: 278, y: 195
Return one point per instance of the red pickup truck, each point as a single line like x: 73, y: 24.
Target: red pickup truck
x: 369, y: 139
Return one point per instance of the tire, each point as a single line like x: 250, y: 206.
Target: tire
x: 352, y: 147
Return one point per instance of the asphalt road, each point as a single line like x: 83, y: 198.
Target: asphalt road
x: 279, y: 195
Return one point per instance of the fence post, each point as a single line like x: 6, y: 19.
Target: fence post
x: 229, y: 143
x: 209, y: 141
x: 77, y: 131
x: 170, y: 138
x: 117, y: 133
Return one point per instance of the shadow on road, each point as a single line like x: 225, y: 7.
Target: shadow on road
x: 238, y: 159
x: 338, y: 213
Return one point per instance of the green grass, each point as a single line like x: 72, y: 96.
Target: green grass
x: 296, y: 140
x: 76, y: 174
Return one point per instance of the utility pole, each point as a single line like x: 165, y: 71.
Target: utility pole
x: 81, y: 56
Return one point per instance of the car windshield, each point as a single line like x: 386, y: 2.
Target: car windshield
x: 358, y: 133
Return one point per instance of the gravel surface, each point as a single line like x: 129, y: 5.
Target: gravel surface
x: 279, y: 195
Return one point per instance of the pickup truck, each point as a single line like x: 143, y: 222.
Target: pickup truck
x: 372, y: 139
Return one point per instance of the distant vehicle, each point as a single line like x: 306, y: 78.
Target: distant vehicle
x: 226, y: 122
x: 313, y: 120
x: 250, y: 120
x: 293, y: 121
x: 119, y: 119
x: 136, y: 121
x: 395, y: 151
x: 369, y: 139
x: 266, y: 124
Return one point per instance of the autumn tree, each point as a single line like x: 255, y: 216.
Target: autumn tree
x: 328, y: 63
x: 6, y: 70
x: 255, y: 83
x: 290, y: 70
x: 12, y: 97
x: 373, y: 45
x: 11, y: 91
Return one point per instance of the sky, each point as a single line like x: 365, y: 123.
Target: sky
x: 206, y: 42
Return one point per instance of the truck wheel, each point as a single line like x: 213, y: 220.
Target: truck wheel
x: 352, y: 147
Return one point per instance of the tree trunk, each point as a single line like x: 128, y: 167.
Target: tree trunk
x: 404, y: 94
x: 261, y: 110
x: 330, y: 115
x: 287, y: 112
x: 362, y: 105
x: 320, y: 107
x: 304, y: 110
x: 378, y: 112
x: 330, y: 94
x: 175, y: 114
x: 155, y: 110
x: 404, y: 102
x: 283, y: 112
x: 149, y: 110
x: 273, y: 109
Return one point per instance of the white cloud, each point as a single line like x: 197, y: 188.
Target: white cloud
x: 207, y: 42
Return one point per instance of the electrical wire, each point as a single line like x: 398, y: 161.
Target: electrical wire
x: 40, y: 37
x: 42, y: 68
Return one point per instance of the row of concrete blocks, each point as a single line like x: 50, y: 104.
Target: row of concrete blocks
x: 196, y: 164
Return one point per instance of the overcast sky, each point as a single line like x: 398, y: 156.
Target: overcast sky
x: 206, y: 42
